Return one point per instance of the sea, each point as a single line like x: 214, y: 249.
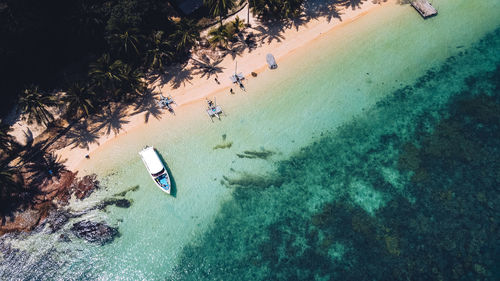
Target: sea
x: 371, y: 153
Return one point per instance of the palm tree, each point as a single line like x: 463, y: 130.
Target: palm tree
x: 34, y: 103
x: 238, y: 24
x: 159, y: 51
x: 219, y: 36
x: 79, y: 100
x: 126, y: 42
x: 277, y: 9
x: 5, y: 138
x: 132, y: 82
x: 106, y: 74
x: 8, y: 184
x: 220, y: 8
x: 186, y: 34
x: 291, y: 8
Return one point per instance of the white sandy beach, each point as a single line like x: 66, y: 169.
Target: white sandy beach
x: 195, y: 89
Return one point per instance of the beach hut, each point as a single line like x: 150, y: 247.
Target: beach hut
x: 271, y: 61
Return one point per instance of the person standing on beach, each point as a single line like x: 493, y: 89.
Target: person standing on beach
x: 217, y: 80
x: 231, y: 91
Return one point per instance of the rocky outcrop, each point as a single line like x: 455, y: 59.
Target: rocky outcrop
x: 57, y: 219
x: 57, y: 189
x: 21, y: 221
x: 60, y: 189
x: 84, y: 187
x: 94, y: 232
x: 53, y: 193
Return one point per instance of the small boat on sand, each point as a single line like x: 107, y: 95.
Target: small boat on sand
x: 166, y: 103
x: 156, y: 168
x: 237, y: 78
x: 271, y: 62
x: 213, y: 110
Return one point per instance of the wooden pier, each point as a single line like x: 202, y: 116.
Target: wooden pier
x: 424, y: 8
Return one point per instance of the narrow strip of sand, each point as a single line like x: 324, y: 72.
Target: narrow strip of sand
x: 197, y: 87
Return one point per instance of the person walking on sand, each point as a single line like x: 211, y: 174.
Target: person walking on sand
x: 217, y: 80
x: 231, y: 91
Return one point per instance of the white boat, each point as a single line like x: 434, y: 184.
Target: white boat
x: 156, y: 168
x: 271, y: 61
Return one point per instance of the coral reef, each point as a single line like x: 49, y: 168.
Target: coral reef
x: 94, y: 232
x: 429, y: 150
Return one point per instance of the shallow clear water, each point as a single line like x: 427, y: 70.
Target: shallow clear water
x: 348, y: 161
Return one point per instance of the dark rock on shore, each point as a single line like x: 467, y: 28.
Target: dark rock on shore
x: 22, y: 221
x: 57, y: 219
x: 85, y: 186
x: 57, y: 189
x: 50, y: 196
x: 94, y: 232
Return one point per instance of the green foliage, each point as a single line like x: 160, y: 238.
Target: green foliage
x: 105, y: 74
x: 159, y: 51
x: 220, y: 8
x: 5, y: 137
x: 220, y: 36
x: 69, y: 33
x: 131, y: 83
x: 126, y: 14
x: 126, y: 43
x: 276, y: 9
x: 79, y: 100
x: 186, y: 34
x: 238, y: 24
x: 7, y: 182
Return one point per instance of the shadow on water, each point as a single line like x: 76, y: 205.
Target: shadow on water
x: 173, y: 188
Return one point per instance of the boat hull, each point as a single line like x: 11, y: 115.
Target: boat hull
x: 156, y: 169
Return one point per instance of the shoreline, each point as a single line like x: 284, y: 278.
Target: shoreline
x: 197, y: 88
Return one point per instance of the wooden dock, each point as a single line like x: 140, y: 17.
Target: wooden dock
x: 424, y: 8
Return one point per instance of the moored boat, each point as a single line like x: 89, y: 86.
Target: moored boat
x: 156, y: 168
x: 213, y: 109
x: 271, y: 62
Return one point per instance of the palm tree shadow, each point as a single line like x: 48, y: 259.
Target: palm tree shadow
x: 173, y: 188
x: 148, y: 103
x: 204, y: 67
x: 249, y: 41
x: 323, y: 8
x: 81, y: 135
x: 45, y: 167
x: 270, y: 31
x: 111, y: 119
x: 296, y: 22
x: 177, y: 75
x: 353, y: 4
x: 31, y: 150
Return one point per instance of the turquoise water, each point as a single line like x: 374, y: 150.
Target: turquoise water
x: 373, y: 152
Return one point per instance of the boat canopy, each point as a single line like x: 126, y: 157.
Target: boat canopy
x: 151, y: 160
